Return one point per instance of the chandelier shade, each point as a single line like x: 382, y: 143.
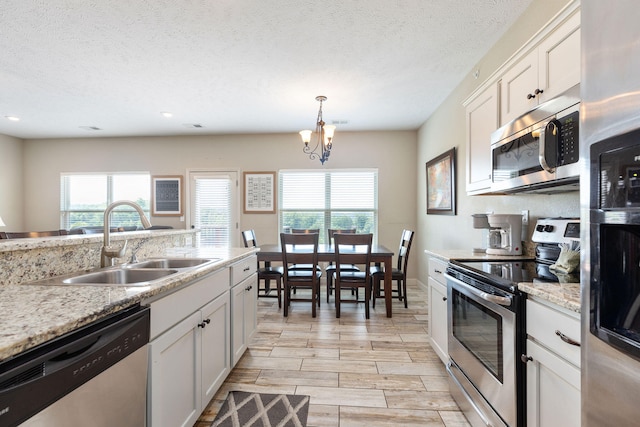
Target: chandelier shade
x: 324, y: 137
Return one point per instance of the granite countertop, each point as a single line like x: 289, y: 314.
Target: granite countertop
x: 566, y: 295
x: 33, y: 314
x: 10, y: 245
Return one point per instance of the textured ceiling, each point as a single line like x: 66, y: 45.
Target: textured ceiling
x: 235, y: 66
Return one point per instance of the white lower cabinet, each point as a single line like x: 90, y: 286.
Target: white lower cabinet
x: 189, y: 351
x: 216, y: 363
x: 438, y: 329
x: 175, y: 381
x: 244, y: 305
x: 553, y: 366
x: 244, y: 300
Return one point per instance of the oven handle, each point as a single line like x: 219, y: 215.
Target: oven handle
x: 505, y: 301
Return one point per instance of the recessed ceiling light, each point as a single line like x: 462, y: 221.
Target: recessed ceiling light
x: 12, y: 118
x: 166, y: 114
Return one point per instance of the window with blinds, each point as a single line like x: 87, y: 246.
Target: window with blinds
x: 84, y: 198
x: 213, y: 209
x: 328, y: 199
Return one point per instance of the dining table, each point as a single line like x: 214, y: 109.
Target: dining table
x: 326, y: 253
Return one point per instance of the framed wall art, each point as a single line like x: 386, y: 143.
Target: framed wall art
x: 259, y: 192
x: 441, y: 184
x: 166, y: 195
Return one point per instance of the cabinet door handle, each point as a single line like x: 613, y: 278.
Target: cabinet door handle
x: 247, y: 268
x: 437, y: 271
x: 536, y: 92
x: 248, y: 288
x: 524, y: 358
x: 444, y: 298
x: 204, y: 323
x: 566, y: 339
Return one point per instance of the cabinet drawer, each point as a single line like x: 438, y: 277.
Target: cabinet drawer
x: 171, y: 309
x: 437, y: 268
x: 547, y: 326
x: 243, y: 269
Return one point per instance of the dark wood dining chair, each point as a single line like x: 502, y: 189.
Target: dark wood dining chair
x: 304, y: 231
x: 331, y: 268
x: 300, y: 249
x: 399, y: 273
x: 352, y: 249
x: 266, y: 273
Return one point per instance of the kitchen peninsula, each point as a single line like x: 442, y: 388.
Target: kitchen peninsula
x: 31, y: 315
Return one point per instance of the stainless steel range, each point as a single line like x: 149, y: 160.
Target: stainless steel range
x: 486, y: 319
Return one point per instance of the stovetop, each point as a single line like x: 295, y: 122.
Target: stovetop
x: 517, y: 271
x: 506, y: 274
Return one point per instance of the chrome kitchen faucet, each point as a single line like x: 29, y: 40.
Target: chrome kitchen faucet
x: 108, y: 252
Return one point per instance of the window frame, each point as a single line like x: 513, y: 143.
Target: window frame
x: 327, y: 210
x: 65, y: 193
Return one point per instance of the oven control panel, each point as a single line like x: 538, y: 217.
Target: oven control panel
x: 556, y: 230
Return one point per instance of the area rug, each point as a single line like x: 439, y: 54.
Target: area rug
x: 242, y: 409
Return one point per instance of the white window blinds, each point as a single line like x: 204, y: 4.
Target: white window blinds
x: 213, y: 214
x: 328, y: 199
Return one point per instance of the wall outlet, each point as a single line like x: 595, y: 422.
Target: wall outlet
x: 525, y: 217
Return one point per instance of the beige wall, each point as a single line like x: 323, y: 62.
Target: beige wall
x: 392, y: 153
x: 11, y: 183
x: 445, y: 129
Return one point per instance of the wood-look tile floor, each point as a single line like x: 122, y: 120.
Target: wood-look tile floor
x: 358, y: 372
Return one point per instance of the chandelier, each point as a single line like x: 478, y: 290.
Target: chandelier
x: 324, y: 134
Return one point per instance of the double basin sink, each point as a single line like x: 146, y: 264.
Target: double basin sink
x: 141, y: 273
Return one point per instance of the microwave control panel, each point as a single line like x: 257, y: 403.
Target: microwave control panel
x: 568, y: 149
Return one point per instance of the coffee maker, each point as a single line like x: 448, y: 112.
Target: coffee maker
x: 506, y: 234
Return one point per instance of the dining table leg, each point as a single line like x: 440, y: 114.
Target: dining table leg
x: 388, y: 293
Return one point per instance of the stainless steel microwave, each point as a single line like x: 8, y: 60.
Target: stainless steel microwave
x: 538, y: 151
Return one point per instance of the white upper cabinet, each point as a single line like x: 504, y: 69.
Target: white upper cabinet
x: 545, y: 67
x: 551, y: 68
x: 559, y: 59
x: 482, y: 119
x: 519, y: 86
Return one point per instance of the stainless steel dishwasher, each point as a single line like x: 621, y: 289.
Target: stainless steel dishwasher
x: 94, y: 376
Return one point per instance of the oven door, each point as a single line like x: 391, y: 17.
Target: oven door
x: 482, y: 345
